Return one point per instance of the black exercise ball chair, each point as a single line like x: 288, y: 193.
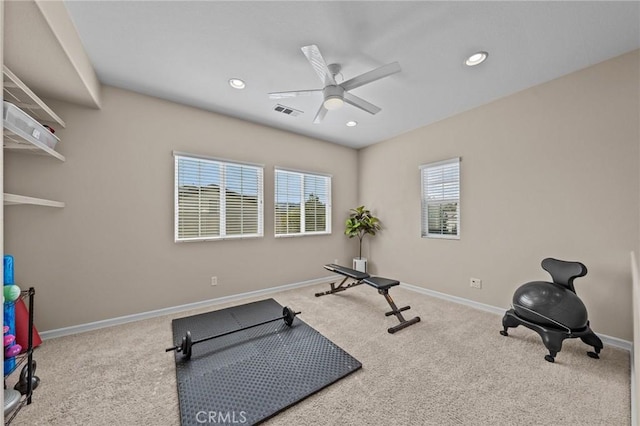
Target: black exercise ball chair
x: 552, y: 309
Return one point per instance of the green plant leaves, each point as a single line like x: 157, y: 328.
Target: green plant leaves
x: 360, y: 223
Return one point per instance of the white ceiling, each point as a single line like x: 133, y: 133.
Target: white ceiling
x: 187, y: 51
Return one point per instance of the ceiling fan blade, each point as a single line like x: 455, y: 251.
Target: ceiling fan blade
x: 373, y: 75
x: 361, y: 103
x: 292, y: 94
x: 317, y: 62
x: 320, y: 115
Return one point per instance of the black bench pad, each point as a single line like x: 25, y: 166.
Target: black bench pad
x: 377, y: 282
x: 380, y: 283
x: 347, y: 272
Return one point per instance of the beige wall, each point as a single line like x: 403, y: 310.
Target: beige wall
x: 549, y: 172
x: 110, y: 251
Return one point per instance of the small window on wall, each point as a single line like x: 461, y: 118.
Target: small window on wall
x: 441, y: 199
x: 302, y: 203
x: 216, y: 199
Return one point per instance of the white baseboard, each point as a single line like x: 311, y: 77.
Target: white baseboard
x: 50, y: 334
x: 608, y: 340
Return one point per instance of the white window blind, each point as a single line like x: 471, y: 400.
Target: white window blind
x: 302, y: 203
x: 217, y: 199
x: 441, y: 199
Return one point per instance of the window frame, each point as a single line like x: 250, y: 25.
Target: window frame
x: 328, y: 205
x: 223, y: 164
x: 424, y: 205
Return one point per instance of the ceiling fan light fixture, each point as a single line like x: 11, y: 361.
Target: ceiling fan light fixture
x: 335, y: 95
x: 476, y: 59
x: 333, y: 102
x: 236, y: 83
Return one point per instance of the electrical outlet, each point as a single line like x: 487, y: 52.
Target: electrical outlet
x: 335, y: 261
x: 214, y: 280
x: 475, y: 283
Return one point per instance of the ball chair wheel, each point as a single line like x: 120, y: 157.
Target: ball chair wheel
x: 593, y: 355
x: 504, y: 332
x: 549, y: 358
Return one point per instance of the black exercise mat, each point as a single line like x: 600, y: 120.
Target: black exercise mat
x: 250, y: 376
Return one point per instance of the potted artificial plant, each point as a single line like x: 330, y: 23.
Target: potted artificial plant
x: 360, y: 223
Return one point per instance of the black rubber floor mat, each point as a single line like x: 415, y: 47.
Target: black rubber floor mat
x: 250, y: 376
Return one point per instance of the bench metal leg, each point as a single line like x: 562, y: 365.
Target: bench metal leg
x: 340, y: 287
x: 397, y: 312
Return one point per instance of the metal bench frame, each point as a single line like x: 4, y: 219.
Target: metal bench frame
x: 381, y: 284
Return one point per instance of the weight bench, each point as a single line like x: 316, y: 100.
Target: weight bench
x: 381, y: 284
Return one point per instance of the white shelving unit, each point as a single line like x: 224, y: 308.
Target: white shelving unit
x: 16, y: 92
x: 25, y: 143
x: 13, y: 199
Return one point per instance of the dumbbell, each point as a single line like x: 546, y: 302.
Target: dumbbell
x: 288, y: 316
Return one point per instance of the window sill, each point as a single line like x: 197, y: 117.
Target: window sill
x: 239, y: 237
x: 441, y: 237
x: 306, y: 234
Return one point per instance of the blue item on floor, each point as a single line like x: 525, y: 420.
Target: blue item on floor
x: 8, y: 269
x: 10, y: 321
x: 9, y: 310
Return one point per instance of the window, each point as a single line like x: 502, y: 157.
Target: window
x: 216, y: 199
x: 441, y: 199
x: 302, y: 203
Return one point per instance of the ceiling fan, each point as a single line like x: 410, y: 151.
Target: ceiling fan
x: 335, y: 95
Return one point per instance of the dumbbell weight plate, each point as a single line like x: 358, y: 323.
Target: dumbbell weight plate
x: 288, y: 315
x: 186, y: 345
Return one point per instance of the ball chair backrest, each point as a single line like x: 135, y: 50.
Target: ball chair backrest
x: 563, y: 272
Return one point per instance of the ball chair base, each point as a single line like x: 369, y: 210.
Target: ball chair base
x: 553, y: 337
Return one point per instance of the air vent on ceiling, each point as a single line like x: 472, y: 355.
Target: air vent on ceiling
x: 287, y: 110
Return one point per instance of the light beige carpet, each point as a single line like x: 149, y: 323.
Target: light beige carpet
x: 453, y: 368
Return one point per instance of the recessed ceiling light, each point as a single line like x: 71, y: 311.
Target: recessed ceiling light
x: 352, y: 123
x: 476, y: 59
x: 236, y: 83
